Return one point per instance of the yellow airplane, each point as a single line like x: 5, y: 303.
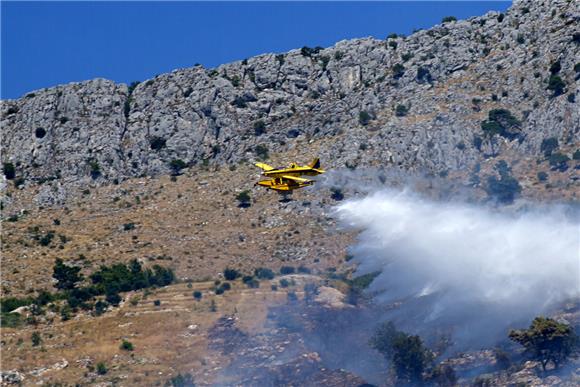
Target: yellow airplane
x: 288, y: 179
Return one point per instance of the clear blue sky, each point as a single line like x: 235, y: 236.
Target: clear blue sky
x: 50, y: 43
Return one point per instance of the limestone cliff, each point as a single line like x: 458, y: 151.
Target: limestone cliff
x: 417, y: 102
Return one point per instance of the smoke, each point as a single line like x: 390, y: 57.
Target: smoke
x: 470, y: 269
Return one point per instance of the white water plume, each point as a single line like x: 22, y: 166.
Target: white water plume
x: 468, y: 267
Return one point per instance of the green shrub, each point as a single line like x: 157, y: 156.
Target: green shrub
x: 324, y: 59
x: 308, y: 51
x: 285, y: 270
x: 477, y: 142
x: 126, y: 346
x: 36, y: 339
x: 571, y: 97
x: 559, y: 161
x: 502, y: 359
x: 235, y: 80
x: 121, y: 277
x: 556, y: 85
x: 364, y: 118
x: 364, y: 281
x: 401, y: 110
x: 102, y: 368
x: 157, y: 302
x: 304, y: 270
x: 66, y: 276
x: 398, y: 71
x: 232, y: 274
x: 259, y: 128
x: 542, y: 176
x: 424, y: 75
x: 18, y: 182
x: 501, y: 122
x: 157, y: 143
x: 576, y: 155
x: 310, y: 290
x: 113, y: 298
x: 9, y: 171
x: 280, y: 58
x: 407, y: 354
x: 555, y: 67
x: 65, y: 312
x: 448, y: 19
x: 336, y: 194
x: 549, y: 145
x: 40, y: 132
x: 9, y: 304
x: 261, y: 151
x: 177, y: 165
x: 244, y: 199
x: 128, y: 226
x: 100, y: 307
x: 44, y: 298
x: 197, y: 295
x: 547, y: 341
x: 284, y: 283
x: 239, y: 102
x: 10, y: 320
x: 504, y: 190
x: 264, y: 273
x: 132, y: 87
x: 185, y: 380
x: 253, y: 283
x: 292, y: 297
x: 127, y: 107
x: 95, y: 169
x: 443, y: 375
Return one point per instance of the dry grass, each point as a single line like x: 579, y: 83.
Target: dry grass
x: 193, y: 225
x: 168, y: 339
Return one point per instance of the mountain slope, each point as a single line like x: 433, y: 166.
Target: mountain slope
x: 416, y: 102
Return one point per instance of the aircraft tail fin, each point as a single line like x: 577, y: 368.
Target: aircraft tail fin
x: 315, y: 163
x: 263, y: 166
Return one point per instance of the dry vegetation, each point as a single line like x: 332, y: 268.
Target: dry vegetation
x: 168, y: 339
x: 193, y: 225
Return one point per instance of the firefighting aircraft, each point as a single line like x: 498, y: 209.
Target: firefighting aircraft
x: 288, y: 179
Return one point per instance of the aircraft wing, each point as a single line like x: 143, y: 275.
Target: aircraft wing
x: 296, y: 179
x: 263, y: 166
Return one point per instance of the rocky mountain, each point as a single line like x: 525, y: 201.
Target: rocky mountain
x: 487, y: 103
x: 441, y: 100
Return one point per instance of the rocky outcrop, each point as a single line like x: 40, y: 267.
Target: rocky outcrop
x: 416, y: 102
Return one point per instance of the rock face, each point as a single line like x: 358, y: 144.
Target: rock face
x: 414, y: 102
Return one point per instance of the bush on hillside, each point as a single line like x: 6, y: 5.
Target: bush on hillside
x: 547, y: 341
